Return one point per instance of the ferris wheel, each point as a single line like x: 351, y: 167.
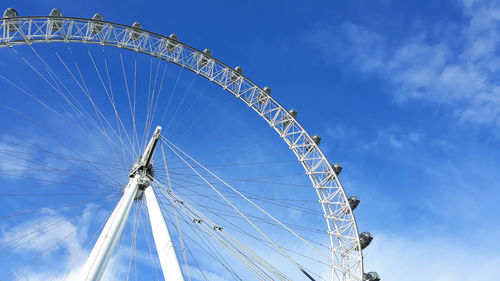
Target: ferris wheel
x: 128, y: 154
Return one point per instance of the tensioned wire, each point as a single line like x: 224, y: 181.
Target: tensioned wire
x: 169, y: 180
x: 149, y: 240
x: 238, y: 229
x: 118, y: 127
x: 44, y: 228
x: 197, y: 195
x: 301, y: 268
x: 233, y: 251
x: 243, y: 232
x: 207, y: 246
x: 229, y: 213
x: 36, y: 258
x: 59, y: 92
x: 218, y: 182
x: 79, y: 109
x: 223, y: 214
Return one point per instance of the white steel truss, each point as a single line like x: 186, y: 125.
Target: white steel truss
x: 347, y: 261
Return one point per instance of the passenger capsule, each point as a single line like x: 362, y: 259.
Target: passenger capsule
x: 204, y: 57
x: 55, y: 24
x: 337, y: 168
x: 236, y: 73
x: 137, y: 25
x: 365, y: 239
x: 371, y: 276
x: 10, y: 13
x: 134, y: 34
x: 286, y: 120
x: 353, y: 202
x: 10, y: 25
x: 55, y: 13
x: 207, y: 52
x: 96, y: 27
x: 171, y: 45
x: 316, y: 139
x: 262, y: 97
x: 98, y: 17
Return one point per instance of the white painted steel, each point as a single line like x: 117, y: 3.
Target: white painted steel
x: 347, y: 261
x: 99, y: 257
x: 164, y: 246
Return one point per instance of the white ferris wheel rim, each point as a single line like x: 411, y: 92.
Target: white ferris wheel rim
x: 347, y: 259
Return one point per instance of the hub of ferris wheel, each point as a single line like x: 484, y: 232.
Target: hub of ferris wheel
x: 143, y: 166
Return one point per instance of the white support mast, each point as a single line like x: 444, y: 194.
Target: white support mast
x: 140, y: 176
x: 164, y: 246
x: 99, y: 257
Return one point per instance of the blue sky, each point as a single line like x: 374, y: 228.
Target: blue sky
x: 404, y: 94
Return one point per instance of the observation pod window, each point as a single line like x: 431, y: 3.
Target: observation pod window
x: 11, y: 25
x: 96, y: 27
x: 55, y: 24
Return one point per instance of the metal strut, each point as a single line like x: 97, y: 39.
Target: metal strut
x: 140, y: 176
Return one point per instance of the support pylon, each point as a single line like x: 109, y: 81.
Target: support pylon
x: 140, y: 177
x: 164, y: 246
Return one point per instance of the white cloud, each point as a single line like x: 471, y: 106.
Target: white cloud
x: 459, y: 69
x: 62, y: 244
x: 213, y: 276
x: 395, y: 137
x: 45, y: 237
x: 429, y: 257
x: 13, y: 163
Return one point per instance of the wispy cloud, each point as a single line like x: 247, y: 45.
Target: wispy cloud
x: 455, y: 67
x: 53, y: 238
x: 431, y: 258
x: 393, y: 137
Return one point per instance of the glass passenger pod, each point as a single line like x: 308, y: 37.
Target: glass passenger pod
x: 353, y: 202
x: 204, y: 58
x: 371, y: 276
x: 10, y: 24
x: 365, y: 239
x: 172, y: 43
x: 135, y: 33
x: 287, y: 120
x: 264, y: 95
x: 95, y: 26
x: 235, y: 74
x: 337, y: 168
x: 55, y: 22
x: 316, y: 139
